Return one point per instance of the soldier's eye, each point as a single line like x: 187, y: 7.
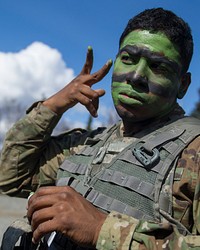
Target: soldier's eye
x: 126, y: 58
x: 158, y: 68
x: 155, y: 65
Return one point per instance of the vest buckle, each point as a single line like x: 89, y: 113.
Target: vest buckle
x: 147, y: 158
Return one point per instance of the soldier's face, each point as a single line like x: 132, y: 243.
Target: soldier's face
x: 146, y: 77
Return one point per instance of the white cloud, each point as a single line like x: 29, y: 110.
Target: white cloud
x: 32, y: 73
x: 29, y: 75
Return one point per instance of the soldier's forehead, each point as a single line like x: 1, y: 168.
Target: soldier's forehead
x: 155, y: 42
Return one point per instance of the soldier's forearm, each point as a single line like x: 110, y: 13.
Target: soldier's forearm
x: 23, y: 145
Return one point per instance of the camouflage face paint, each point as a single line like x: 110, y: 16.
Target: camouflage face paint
x: 146, y: 76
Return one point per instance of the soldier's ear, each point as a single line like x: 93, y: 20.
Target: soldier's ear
x: 184, y: 84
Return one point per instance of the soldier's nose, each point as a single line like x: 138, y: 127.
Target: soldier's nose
x: 136, y: 80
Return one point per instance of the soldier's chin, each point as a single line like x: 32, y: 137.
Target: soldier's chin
x: 130, y: 115
x: 125, y: 113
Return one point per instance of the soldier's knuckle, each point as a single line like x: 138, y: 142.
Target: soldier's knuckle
x: 66, y: 189
x: 63, y: 196
x: 35, y: 216
x: 61, y: 208
x: 41, y: 191
x: 73, y: 91
x: 64, y: 219
x: 80, y: 79
x: 95, y: 95
x: 41, y: 229
x: 34, y: 203
x: 87, y: 101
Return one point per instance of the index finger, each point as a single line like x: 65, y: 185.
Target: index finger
x: 45, y: 191
x: 99, y: 75
x: 89, y: 62
x: 44, y: 197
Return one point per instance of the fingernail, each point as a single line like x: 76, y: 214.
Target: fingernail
x: 96, y: 115
x: 89, y: 47
x: 33, y: 240
x: 109, y: 62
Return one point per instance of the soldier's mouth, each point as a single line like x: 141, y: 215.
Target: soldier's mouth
x: 133, y: 96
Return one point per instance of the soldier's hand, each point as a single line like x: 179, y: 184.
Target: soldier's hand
x: 64, y: 210
x: 79, y: 89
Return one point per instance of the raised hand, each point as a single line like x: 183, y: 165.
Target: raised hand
x: 79, y: 89
x: 64, y: 210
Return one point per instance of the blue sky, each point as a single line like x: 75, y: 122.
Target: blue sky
x: 56, y: 33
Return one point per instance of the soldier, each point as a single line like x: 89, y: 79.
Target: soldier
x: 134, y: 185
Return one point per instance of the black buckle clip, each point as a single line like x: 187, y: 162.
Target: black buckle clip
x: 145, y: 157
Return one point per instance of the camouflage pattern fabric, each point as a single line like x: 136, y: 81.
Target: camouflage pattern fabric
x: 31, y: 156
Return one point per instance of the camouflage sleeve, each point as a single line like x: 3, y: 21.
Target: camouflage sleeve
x: 124, y: 232
x: 30, y: 156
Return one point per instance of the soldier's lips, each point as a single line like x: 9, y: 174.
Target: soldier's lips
x: 129, y: 98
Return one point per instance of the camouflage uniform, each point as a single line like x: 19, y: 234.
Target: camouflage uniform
x: 31, y: 157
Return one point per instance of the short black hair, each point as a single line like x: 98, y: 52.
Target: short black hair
x: 174, y: 27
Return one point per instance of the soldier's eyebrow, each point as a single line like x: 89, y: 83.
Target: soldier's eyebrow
x: 134, y: 50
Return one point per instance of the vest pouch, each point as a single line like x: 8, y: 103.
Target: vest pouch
x: 27, y: 244
x: 18, y: 236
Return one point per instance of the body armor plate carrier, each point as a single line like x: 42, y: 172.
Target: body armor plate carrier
x: 138, y: 180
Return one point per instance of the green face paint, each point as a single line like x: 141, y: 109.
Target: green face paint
x: 146, y: 76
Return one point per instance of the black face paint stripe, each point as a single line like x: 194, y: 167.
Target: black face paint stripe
x: 154, y: 88
x: 153, y: 56
x: 120, y: 78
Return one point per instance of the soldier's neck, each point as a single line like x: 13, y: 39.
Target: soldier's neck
x: 131, y: 128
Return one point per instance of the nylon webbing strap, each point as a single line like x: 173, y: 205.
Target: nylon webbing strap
x: 78, y: 185
x: 63, y: 181
x: 160, y: 138
x: 103, y: 136
x: 129, y: 157
x: 174, y: 150
x: 86, y: 151
x: 100, y: 155
x: 103, y: 201
x: 128, y: 181
x: 189, y: 136
x: 186, y: 129
x: 171, y: 147
x: 192, y: 126
x: 108, y: 204
x: 106, y: 135
x: 116, y: 147
x: 73, y: 167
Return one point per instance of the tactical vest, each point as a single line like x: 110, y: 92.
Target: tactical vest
x: 138, y: 181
